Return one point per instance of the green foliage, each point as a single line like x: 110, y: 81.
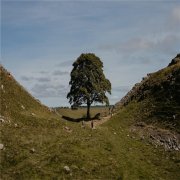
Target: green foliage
x: 88, y: 82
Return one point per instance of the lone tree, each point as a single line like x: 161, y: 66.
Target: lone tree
x: 88, y: 82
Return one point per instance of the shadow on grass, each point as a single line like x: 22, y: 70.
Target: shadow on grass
x: 77, y: 119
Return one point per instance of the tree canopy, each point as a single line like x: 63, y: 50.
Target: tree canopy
x: 88, y: 82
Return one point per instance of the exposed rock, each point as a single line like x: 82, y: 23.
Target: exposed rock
x: 141, y: 124
x: 159, y: 137
x: 22, y: 107
x: 32, y: 150
x: 170, y: 142
x: 67, y: 169
x: 175, y: 60
x: 68, y: 129
x: 1, y: 146
x: 148, y: 86
x: 2, y: 119
x: 51, y: 110
x: 33, y: 114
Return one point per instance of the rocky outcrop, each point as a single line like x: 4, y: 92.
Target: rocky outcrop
x: 169, y: 141
x: 156, y: 101
x: 165, y: 81
x: 1, y: 146
x: 174, y: 61
x: 156, y: 136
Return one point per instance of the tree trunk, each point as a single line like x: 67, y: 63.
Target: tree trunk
x: 88, y: 110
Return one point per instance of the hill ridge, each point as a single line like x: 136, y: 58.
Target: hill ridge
x: 134, y: 93
x: 14, y: 97
x: 157, y: 97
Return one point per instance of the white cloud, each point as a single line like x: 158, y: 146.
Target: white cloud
x: 65, y: 64
x: 33, y: 78
x: 26, y: 78
x: 60, y: 73
x: 122, y: 89
x: 168, y: 43
x: 49, y: 90
x: 176, y: 14
x: 43, y: 79
x: 133, y: 39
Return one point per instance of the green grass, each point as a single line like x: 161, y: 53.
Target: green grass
x: 158, y: 98
x: 82, y: 112
x: 108, y: 152
x: 138, y: 158
x: 39, y: 146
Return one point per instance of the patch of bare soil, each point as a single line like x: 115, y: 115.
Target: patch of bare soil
x: 159, y: 137
x: 97, y: 122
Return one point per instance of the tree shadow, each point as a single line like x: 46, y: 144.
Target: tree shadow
x: 78, y: 119
x: 73, y: 119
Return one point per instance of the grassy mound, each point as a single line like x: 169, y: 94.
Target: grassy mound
x: 16, y: 100
x: 157, y: 97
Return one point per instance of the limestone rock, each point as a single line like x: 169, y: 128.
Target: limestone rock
x: 22, y: 107
x: 2, y: 119
x: 176, y: 60
x: 1, y: 146
x: 67, y: 169
x: 32, y: 150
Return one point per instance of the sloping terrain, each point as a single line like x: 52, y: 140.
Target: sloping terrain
x: 15, y: 99
x: 153, y: 105
x: 158, y: 97
x: 37, y: 144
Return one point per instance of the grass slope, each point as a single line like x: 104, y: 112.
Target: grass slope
x: 39, y: 146
x: 138, y: 158
x: 158, y: 97
x: 16, y: 100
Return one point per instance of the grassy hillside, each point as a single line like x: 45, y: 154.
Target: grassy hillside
x: 157, y: 97
x: 16, y: 100
x: 138, y: 157
x: 44, y: 146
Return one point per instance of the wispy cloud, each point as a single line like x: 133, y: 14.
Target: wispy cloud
x: 49, y: 90
x: 65, y: 64
x: 176, y: 14
x: 43, y: 72
x: 26, y: 78
x: 39, y: 79
x: 59, y: 73
x: 41, y: 39
x: 121, y: 88
x: 43, y: 79
x: 166, y: 44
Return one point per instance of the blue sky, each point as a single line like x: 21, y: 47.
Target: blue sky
x: 41, y: 39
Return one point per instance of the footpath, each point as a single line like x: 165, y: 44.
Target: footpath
x: 98, y: 122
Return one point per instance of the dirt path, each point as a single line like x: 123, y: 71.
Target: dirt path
x: 98, y: 122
